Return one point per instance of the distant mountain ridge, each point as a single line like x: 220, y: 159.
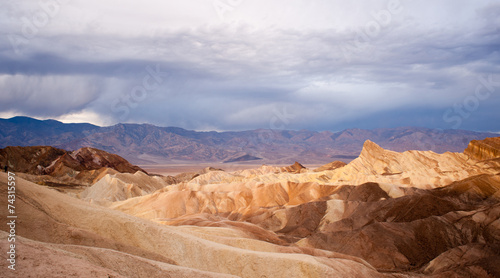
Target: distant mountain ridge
x: 145, y: 143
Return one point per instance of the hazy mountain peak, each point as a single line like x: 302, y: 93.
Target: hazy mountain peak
x: 149, y: 144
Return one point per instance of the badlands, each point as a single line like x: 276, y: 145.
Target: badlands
x: 89, y: 213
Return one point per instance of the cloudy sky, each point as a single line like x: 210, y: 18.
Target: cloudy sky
x: 246, y: 64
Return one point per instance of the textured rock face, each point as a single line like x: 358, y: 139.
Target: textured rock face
x: 294, y: 168
x: 45, y: 164
x: 122, y: 186
x: 390, y: 233
x: 92, y: 159
x: 30, y: 160
x: 330, y: 166
x: 363, y: 221
x: 237, y: 199
x: 385, y: 214
x: 488, y: 148
x: 49, y: 160
x: 424, y: 169
x: 131, y: 246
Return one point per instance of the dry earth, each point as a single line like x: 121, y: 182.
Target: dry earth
x: 385, y: 214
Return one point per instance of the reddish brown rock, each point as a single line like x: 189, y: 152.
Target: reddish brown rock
x: 331, y: 166
x: 488, y: 148
x: 30, y: 160
x: 43, y: 160
x: 294, y: 168
x: 63, y: 170
x: 413, y: 213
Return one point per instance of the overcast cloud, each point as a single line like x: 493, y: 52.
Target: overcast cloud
x: 245, y: 64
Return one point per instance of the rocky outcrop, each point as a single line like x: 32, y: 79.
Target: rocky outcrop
x: 423, y: 169
x: 362, y: 221
x: 46, y: 160
x: 122, y: 186
x: 473, y: 260
x: 63, y: 229
x: 91, y: 159
x: 331, y: 166
x: 385, y: 214
x: 241, y: 199
x: 294, y: 168
x: 62, y: 169
x: 397, y: 245
x: 383, y: 223
x: 488, y: 148
x: 30, y: 160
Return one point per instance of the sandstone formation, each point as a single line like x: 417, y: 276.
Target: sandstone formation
x: 121, y: 186
x: 390, y: 233
x: 423, y: 169
x: 330, y: 166
x: 130, y: 246
x: 56, y: 167
x: 489, y: 148
x: 294, y: 168
x: 46, y: 160
x: 385, y: 214
x: 29, y: 160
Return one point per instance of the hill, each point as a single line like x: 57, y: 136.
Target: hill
x: 63, y: 169
x: 385, y: 214
x: 149, y: 144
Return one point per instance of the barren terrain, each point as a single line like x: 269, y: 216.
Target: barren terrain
x: 384, y: 214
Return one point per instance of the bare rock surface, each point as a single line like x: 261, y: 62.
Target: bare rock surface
x: 488, y: 148
x: 59, y: 219
x: 385, y: 214
x: 121, y: 186
x: 331, y: 166
x: 59, y: 168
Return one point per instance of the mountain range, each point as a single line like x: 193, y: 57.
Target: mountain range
x: 384, y: 214
x: 149, y: 144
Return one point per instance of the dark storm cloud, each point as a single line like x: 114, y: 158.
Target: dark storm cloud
x: 322, y: 69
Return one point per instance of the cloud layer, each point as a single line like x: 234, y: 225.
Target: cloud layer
x: 234, y: 65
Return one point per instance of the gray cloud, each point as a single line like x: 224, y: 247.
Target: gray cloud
x: 316, y: 61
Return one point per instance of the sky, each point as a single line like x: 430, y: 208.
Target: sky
x: 247, y: 64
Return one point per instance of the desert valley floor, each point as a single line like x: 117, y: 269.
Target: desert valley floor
x: 89, y: 213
